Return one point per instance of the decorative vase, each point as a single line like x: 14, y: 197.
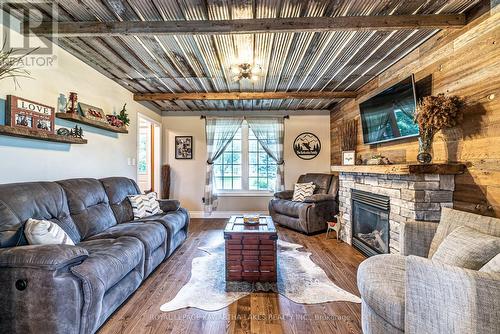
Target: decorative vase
x: 424, y: 149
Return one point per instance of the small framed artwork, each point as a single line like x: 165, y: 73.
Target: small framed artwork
x: 184, y: 147
x: 93, y: 113
x: 348, y: 158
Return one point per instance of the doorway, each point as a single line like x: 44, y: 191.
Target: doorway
x: 148, y: 154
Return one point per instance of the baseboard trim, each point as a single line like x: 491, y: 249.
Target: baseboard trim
x: 223, y: 214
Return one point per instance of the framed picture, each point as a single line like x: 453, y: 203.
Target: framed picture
x: 29, y: 114
x: 349, y: 158
x: 184, y: 147
x: 94, y: 113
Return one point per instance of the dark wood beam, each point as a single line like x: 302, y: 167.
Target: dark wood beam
x: 242, y: 96
x: 246, y: 26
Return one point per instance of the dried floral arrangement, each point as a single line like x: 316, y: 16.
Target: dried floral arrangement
x: 11, y: 65
x: 433, y: 114
x: 348, y: 131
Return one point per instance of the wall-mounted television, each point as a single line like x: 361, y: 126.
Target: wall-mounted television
x: 389, y: 115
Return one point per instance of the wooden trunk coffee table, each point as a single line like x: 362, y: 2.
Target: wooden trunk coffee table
x: 251, y: 250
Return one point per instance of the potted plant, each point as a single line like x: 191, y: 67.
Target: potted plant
x: 433, y: 114
x: 123, y: 116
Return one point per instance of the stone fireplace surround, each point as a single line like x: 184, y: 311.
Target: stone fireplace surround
x: 415, y: 194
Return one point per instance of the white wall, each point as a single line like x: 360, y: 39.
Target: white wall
x: 188, y: 176
x: 106, y: 153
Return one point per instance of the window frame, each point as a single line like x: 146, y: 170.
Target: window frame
x: 245, y: 171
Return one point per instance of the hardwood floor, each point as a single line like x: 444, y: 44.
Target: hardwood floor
x: 257, y: 313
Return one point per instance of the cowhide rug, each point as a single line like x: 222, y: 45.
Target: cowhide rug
x: 299, y: 279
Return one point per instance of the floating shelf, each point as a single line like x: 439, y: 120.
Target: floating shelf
x: 73, y: 117
x: 403, y: 169
x: 6, y: 130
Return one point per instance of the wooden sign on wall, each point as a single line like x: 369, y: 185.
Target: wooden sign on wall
x: 28, y: 114
x: 91, y: 112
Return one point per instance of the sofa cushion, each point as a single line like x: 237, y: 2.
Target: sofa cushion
x: 492, y: 266
x: 381, y: 283
x: 144, y: 205
x: 287, y: 208
x: 88, y: 205
x: 110, y: 260
x: 118, y: 189
x: 152, y: 235
x: 452, y: 219
x: 39, y: 200
x: 174, y: 221
x: 321, y: 181
x: 43, y: 232
x: 302, y: 190
x: 467, y: 248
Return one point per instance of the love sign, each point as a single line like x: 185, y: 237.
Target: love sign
x: 25, y: 113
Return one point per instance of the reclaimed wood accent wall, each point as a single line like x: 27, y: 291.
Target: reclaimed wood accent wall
x: 463, y: 62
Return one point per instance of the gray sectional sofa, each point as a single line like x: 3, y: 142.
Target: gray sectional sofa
x: 74, y: 289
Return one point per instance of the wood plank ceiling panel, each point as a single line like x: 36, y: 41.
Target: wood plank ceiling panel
x: 307, y: 61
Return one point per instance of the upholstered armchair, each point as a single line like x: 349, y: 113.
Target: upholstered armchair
x: 312, y: 215
x: 411, y: 293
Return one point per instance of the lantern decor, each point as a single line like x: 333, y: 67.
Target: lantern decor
x: 433, y: 114
x: 73, y: 103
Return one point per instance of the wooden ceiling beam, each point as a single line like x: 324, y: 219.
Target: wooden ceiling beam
x: 245, y: 26
x: 242, y: 96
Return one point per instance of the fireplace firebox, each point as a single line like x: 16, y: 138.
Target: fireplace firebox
x: 370, y: 222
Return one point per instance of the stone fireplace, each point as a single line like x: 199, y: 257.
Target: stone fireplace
x: 410, y: 192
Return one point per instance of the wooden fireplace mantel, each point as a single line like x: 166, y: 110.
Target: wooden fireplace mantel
x: 403, y: 169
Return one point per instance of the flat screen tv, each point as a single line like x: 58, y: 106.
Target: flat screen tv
x: 389, y: 115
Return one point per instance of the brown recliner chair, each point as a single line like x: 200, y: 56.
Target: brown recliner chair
x: 312, y: 215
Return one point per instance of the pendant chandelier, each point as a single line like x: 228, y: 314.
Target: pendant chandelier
x: 246, y: 71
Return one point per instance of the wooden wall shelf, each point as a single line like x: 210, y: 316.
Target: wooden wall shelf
x: 403, y: 169
x: 83, y: 120
x: 6, y: 130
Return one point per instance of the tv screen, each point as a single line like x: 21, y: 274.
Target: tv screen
x: 389, y: 115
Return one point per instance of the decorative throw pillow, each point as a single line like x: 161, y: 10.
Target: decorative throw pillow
x: 302, y: 190
x: 467, y: 248
x: 145, y: 205
x: 493, y: 266
x: 44, y: 232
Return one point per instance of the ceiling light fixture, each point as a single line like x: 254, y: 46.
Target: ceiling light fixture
x: 246, y: 71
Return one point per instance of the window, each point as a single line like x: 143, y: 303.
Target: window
x: 227, y: 168
x: 244, y: 165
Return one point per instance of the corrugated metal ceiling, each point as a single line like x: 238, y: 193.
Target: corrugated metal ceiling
x: 341, y: 60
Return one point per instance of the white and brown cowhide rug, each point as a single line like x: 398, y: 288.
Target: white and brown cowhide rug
x: 299, y: 279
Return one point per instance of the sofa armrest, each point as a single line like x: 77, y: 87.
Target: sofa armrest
x: 416, y: 237
x: 447, y: 299
x: 319, y: 198
x: 167, y: 205
x: 49, y: 257
x: 286, y: 194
